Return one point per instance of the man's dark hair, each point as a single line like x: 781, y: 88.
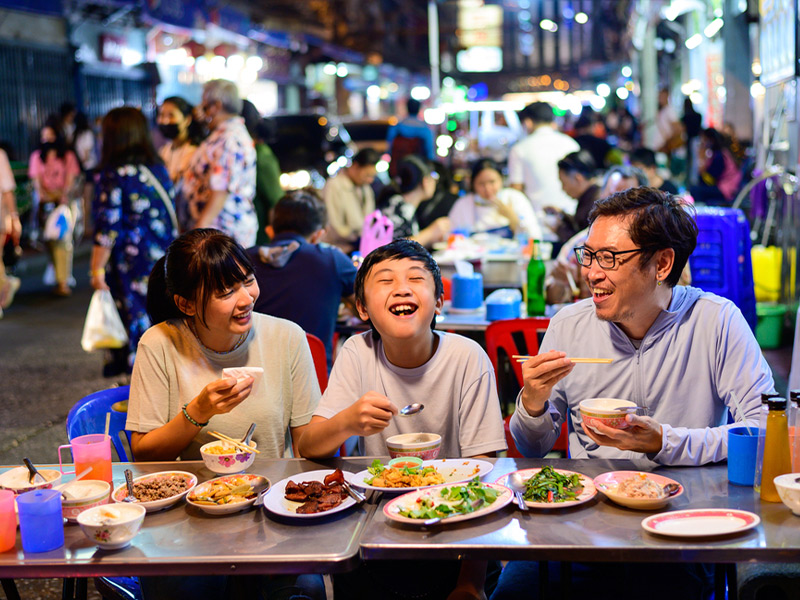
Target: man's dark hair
x: 367, y: 157
x: 397, y: 250
x: 538, y: 112
x: 301, y: 212
x: 659, y: 220
x: 413, y: 106
x: 578, y: 162
x: 643, y: 156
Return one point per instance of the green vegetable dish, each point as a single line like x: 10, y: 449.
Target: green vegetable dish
x: 550, y: 486
x: 454, y: 500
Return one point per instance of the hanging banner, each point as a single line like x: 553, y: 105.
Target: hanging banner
x: 44, y: 7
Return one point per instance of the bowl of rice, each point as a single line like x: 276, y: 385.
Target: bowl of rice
x: 636, y: 489
x: 603, y: 411
x: 225, y: 459
x: 424, y: 445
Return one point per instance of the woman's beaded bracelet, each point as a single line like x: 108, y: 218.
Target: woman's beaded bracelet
x: 190, y: 419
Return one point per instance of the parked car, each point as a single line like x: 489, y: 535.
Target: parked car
x: 309, y: 148
x: 370, y: 133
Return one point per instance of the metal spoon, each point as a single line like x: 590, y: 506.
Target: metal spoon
x: 671, y: 489
x: 129, y: 482
x: 516, y: 483
x: 65, y: 486
x: 32, y: 472
x: 411, y: 409
x: 249, y: 435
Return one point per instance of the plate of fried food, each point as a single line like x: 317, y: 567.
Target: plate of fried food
x: 634, y: 489
x: 380, y: 476
x: 228, y: 494
x: 310, y: 494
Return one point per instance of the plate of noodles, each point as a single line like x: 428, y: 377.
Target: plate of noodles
x: 636, y: 489
x: 379, y: 476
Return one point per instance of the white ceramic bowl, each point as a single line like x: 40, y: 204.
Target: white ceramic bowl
x: 232, y: 462
x: 112, y: 526
x: 424, y: 445
x: 16, y: 480
x: 789, y: 491
x: 258, y: 483
x: 83, y: 495
x: 600, y: 410
x: 154, y: 505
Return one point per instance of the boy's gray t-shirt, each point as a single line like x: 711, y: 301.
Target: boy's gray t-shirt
x: 457, y: 387
x: 172, y: 368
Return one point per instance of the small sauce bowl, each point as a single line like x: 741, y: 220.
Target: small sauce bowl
x: 405, y: 461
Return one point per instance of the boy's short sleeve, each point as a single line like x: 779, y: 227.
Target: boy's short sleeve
x: 481, y: 428
x: 344, y: 385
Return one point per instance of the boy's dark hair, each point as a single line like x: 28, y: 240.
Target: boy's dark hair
x: 659, y: 221
x: 538, y: 112
x: 367, y: 157
x: 413, y: 106
x: 197, y: 265
x: 578, y: 162
x: 299, y: 211
x: 397, y: 250
x: 643, y: 156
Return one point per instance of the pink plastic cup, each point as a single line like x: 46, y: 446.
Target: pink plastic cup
x: 92, y: 450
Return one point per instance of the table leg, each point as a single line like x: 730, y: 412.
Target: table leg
x: 74, y: 588
x: 10, y: 589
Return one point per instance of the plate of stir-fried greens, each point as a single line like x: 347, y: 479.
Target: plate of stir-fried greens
x: 553, y: 488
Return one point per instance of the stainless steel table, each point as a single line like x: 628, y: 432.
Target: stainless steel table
x: 598, y: 530
x: 185, y: 540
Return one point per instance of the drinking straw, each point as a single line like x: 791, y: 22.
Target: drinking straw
x: 108, y: 422
x: 740, y: 412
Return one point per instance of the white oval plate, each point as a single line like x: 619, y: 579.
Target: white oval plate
x: 587, y: 494
x: 700, y: 522
x: 406, y: 501
x: 275, y: 502
x: 608, y: 483
x: 154, y: 505
x: 259, y: 483
x: 453, y: 470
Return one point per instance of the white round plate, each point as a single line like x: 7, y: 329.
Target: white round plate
x: 154, y: 505
x: 453, y: 470
x: 700, y: 522
x: 276, y: 503
x: 608, y: 482
x: 407, y: 501
x: 587, y: 494
x: 259, y: 483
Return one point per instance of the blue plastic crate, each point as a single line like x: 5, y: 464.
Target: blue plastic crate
x: 721, y: 263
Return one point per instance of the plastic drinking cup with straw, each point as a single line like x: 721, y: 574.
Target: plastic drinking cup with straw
x: 740, y: 412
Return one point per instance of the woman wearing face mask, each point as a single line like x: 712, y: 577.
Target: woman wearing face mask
x: 491, y: 207
x: 175, y: 123
x: 52, y: 169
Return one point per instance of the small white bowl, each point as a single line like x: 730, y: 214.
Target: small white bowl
x: 112, y: 526
x: 16, y: 480
x: 424, y: 445
x: 83, y: 495
x: 232, y: 462
x: 789, y: 491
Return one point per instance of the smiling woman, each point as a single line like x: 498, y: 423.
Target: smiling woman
x: 201, y: 298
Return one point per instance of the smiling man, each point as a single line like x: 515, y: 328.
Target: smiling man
x: 679, y: 353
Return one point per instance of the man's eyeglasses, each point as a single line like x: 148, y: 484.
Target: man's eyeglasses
x: 607, y: 259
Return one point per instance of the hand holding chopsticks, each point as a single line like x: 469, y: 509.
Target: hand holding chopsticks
x: 604, y: 361
x: 239, y: 445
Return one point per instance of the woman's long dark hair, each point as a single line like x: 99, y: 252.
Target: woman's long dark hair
x: 126, y: 139
x: 197, y: 265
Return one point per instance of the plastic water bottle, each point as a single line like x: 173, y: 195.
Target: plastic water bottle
x: 535, y: 283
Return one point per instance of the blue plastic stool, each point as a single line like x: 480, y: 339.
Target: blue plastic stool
x: 89, y: 416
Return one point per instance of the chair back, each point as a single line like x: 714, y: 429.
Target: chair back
x: 514, y: 336
x: 320, y: 360
x: 89, y: 416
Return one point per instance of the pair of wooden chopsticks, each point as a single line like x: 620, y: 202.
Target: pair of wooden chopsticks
x: 603, y: 361
x: 230, y: 440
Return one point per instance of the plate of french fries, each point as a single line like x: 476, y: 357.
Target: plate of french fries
x: 228, y: 494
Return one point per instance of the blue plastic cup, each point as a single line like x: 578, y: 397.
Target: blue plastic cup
x: 742, y: 450
x: 41, y: 524
x: 467, y: 291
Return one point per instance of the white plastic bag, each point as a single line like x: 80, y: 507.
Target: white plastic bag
x: 59, y: 224
x: 103, y: 327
